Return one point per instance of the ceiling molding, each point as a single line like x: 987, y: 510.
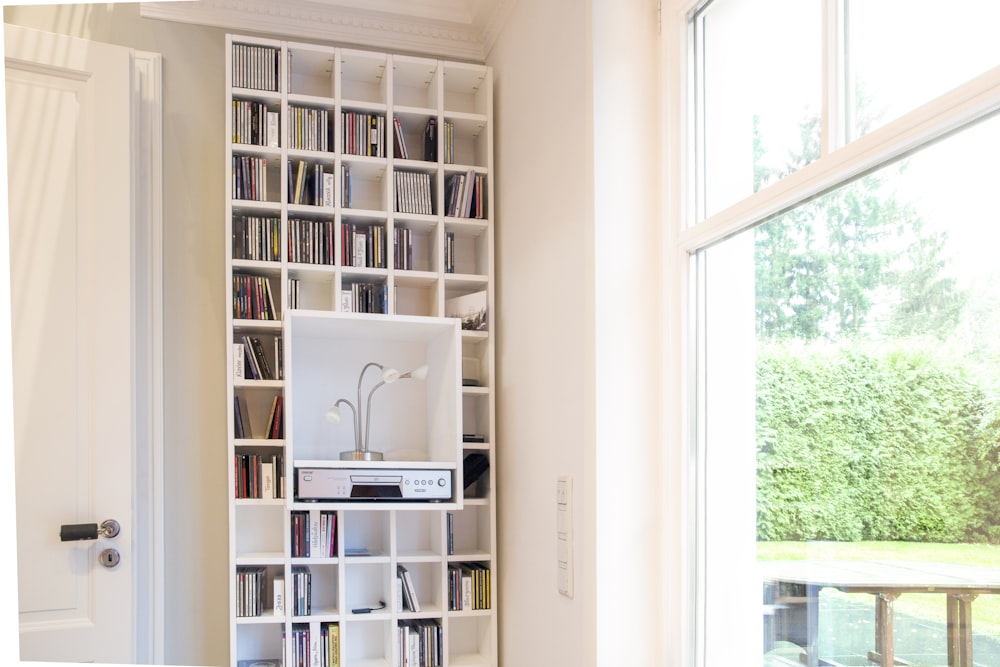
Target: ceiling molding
x: 444, y: 28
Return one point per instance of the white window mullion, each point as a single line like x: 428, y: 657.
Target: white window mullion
x: 838, y: 100
x: 968, y: 103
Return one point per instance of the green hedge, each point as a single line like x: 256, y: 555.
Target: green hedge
x: 853, y: 445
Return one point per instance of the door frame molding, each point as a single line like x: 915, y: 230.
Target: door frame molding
x: 147, y: 301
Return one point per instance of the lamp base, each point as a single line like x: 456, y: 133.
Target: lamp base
x: 355, y: 455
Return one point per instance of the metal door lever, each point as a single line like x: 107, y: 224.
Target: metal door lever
x: 72, y: 532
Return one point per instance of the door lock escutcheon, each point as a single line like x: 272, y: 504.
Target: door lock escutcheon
x: 109, y: 558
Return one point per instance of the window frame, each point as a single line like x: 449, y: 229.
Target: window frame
x: 843, y: 160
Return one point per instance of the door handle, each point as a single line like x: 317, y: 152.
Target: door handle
x: 73, y: 532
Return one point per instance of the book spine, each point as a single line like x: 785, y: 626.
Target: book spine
x: 278, y: 599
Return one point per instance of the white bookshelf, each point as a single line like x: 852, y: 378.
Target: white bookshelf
x: 304, y: 251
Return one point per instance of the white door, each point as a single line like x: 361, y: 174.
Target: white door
x: 70, y: 214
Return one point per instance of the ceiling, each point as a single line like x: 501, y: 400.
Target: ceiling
x: 463, y: 29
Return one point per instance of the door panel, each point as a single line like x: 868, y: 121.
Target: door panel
x: 70, y: 215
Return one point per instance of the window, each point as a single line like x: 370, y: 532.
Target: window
x: 842, y: 246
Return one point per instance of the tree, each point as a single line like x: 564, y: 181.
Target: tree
x: 820, y: 266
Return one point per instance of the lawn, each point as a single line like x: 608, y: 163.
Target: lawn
x: 985, y: 610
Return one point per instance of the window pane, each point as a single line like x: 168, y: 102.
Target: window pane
x: 759, y: 88
x: 851, y: 420
x: 902, y: 54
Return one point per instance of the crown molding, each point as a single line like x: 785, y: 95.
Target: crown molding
x: 437, y: 33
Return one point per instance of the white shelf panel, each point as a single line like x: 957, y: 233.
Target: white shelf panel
x: 426, y: 611
x: 469, y: 660
x: 258, y: 384
x: 259, y: 442
x: 256, y: 325
x: 318, y: 101
x: 418, y: 557
x: 375, y: 465
x: 259, y: 502
x: 260, y: 558
x: 464, y: 281
x: 254, y: 149
x: 267, y: 617
x: 310, y: 211
x: 258, y: 95
x: 414, y: 278
x: 469, y: 556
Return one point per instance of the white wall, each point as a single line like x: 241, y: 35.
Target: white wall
x: 578, y: 334
x: 194, y: 318
x: 578, y: 265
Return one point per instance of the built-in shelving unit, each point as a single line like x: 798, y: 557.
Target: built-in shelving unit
x: 360, y: 221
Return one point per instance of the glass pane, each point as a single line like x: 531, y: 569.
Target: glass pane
x: 902, y: 54
x: 759, y: 82
x: 851, y: 421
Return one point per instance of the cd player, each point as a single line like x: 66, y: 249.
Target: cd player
x: 336, y: 484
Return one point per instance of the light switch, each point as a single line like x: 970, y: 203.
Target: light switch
x: 564, y: 535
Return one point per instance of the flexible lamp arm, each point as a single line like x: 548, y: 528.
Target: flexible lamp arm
x: 356, y: 418
x: 368, y: 413
x: 389, y: 375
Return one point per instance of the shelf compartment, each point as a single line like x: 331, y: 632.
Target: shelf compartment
x: 367, y: 640
x: 323, y: 591
x: 260, y: 530
x: 333, y: 348
x: 470, y: 534
x: 363, y: 184
x: 363, y: 76
x: 255, y: 66
x: 256, y: 239
x: 465, y: 194
x: 414, y: 192
x: 255, y: 175
x: 312, y: 71
x: 311, y: 287
x: 311, y: 127
x: 364, y: 291
x: 476, y: 415
x: 265, y: 348
x: 466, y: 140
x: 466, y: 88
x: 469, y: 253
x: 366, y: 583
x: 476, y: 371
x: 414, y: 82
x: 258, y: 641
x: 256, y: 606
x: 364, y: 244
x: 255, y: 296
x: 255, y: 122
x: 312, y: 182
x: 414, y: 243
x: 416, y: 293
x: 419, y: 536
x: 479, y: 490
x: 470, y: 639
x: 256, y: 399
x: 426, y: 580
x: 413, y: 128
x: 365, y: 531
x: 312, y: 239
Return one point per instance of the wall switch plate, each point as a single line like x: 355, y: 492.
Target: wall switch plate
x: 564, y: 535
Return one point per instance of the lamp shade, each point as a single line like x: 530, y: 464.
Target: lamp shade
x: 333, y: 414
x: 418, y: 373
